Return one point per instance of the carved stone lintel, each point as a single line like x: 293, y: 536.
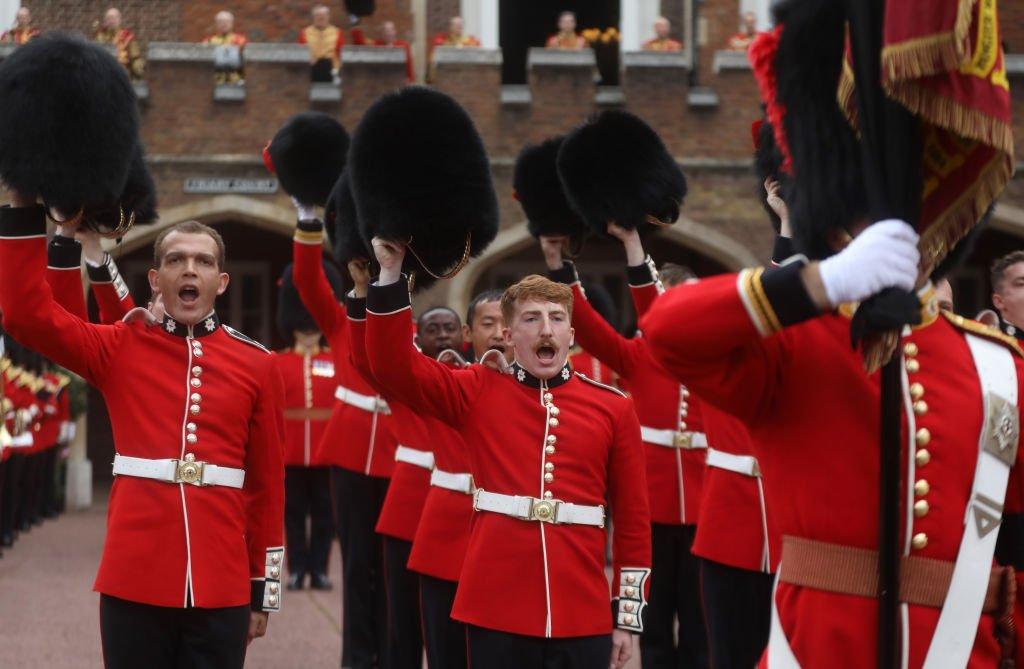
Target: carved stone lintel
x: 229, y: 92
x: 273, y: 52
x: 382, y: 55
x: 541, y: 57
x: 702, y: 97
x: 324, y: 92
x: 609, y: 96
x: 516, y: 95
x: 450, y: 55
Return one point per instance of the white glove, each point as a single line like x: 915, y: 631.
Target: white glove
x: 306, y: 212
x: 883, y: 256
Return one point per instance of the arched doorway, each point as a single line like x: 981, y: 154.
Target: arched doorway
x: 258, y: 240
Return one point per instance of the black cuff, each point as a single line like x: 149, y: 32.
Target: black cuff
x: 315, y: 225
x: 784, y: 288
x: 640, y: 275
x: 256, y: 599
x: 383, y: 300
x: 1010, y: 542
x: 101, y: 274
x: 355, y: 307
x: 18, y: 222
x: 565, y: 274
x: 783, y: 248
x: 64, y: 253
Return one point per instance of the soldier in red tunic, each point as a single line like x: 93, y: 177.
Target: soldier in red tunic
x: 23, y: 30
x: 566, y: 38
x: 201, y: 445
x: 776, y: 354
x: 309, y: 382
x: 533, y: 583
x: 675, y: 447
x: 388, y: 38
x: 129, y: 54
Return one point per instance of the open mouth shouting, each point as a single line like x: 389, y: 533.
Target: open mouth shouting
x: 546, y: 352
x: 188, y: 295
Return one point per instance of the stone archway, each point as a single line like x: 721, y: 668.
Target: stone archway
x: 689, y: 233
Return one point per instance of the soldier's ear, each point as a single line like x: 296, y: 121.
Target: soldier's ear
x: 224, y: 280
x: 152, y: 276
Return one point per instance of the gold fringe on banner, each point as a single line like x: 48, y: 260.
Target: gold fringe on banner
x: 952, y: 115
x: 932, y: 54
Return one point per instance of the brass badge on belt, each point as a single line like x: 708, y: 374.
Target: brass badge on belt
x: 1002, y: 428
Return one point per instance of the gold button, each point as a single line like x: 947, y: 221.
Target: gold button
x: 628, y: 620
x: 196, y: 398
x: 549, y: 466
x: 273, y: 588
x: 275, y: 572
x: 910, y: 349
x: 191, y: 427
x: 630, y: 591
x: 196, y: 383
x: 922, y: 457
x: 686, y: 393
x: 197, y: 343
x: 682, y: 425
x: 273, y: 600
x: 197, y: 353
x: 549, y: 477
x: 921, y: 488
x: 553, y: 422
x: 547, y: 494
x: 920, y: 541
x: 913, y: 366
x: 191, y: 438
x: 555, y: 411
x: 550, y: 450
x: 920, y: 407
x: 552, y: 439
x: 194, y: 409
x: 921, y: 508
x: 916, y: 390
x: 197, y: 370
x: 629, y: 607
x: 548, y: 397
x: 630, y: 579
x: 923, y: 436
x: 275, y: 559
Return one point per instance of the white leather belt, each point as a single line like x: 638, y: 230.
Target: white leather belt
x: 23, y: 440
x: 360, y: 401
x: 179, y: 471
x: 450, y: 481
x: 740, y: 464
x: 674, y: 438
x: 411, y: 456
x: 541, y: 510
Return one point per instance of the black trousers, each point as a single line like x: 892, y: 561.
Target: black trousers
x: 357, y: 502
x: 491, y: 649
x: 47, y: 506
x: 13, y: 481
x: 738, y: 608
x: 405, y: 631
x: 32, y: 480
x: 157, y: 637
x: 444, y: 637
x: 321, y: 71
x: 307, y: 494
x: 675, y: 595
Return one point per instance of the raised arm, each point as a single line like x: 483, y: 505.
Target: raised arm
x: 264, y: 492
x: 310, y: 280
x: 64, y: 274
x: 108, y: 287
x: 423, y: 384
x: 31, y: 315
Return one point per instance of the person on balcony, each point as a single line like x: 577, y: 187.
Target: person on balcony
x: 23, y: 30
x: 128, y: 52
x: 748, y: 31
x: 661, y: 40
x: 567, y: 38
x: 325, y: 42
x: 388, y: 36
x: 228, y: 58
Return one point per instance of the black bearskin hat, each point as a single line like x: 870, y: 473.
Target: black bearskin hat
x: 69, y: 123
x: 808, y: 62
x: 420, y: 175
x: 138, y: 197
x: 308, y: 154
x: 360, y: 7
x: 539, y: 191
x: 292, y: 315
x: 614, y: 167
x: 342, y: 224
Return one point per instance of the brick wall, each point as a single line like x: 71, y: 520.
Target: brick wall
x: 151, y: 20
x: 438, y: 13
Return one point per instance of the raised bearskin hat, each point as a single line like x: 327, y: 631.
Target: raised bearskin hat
x: 539, y: 191
x: 308, y: 154
x: 69, y: 123
x: 421, y: 176
x: 137, y: 203
x: 342, y: 224
x: 615, y: 168
x: 292, y: 315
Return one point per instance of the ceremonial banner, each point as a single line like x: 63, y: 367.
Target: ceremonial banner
x: 942, y: 60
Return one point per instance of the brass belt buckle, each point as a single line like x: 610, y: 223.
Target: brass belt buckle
x: 544, y: 510
x: 189, y: 471
x: 683, y: 439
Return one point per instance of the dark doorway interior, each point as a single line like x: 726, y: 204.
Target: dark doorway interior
x: 527, y: 23
x: 972, y: 288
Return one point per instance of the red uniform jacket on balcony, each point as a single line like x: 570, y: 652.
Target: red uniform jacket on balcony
x: 309, y: 384
x: 436, y: 520
x: 674, y: 476
x: 753, y: 346
x: 171, y: 390
x: 356, y: 439
x: 525, y: 577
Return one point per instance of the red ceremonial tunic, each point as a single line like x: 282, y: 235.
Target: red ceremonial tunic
x: 674, y: 476
x: 583, y: 362
x: 64, y: 274
x: 164, y: 385
x: 526, y: 577
x: 355, y: 438
x: 813, y: 417
x: 309, y: 385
